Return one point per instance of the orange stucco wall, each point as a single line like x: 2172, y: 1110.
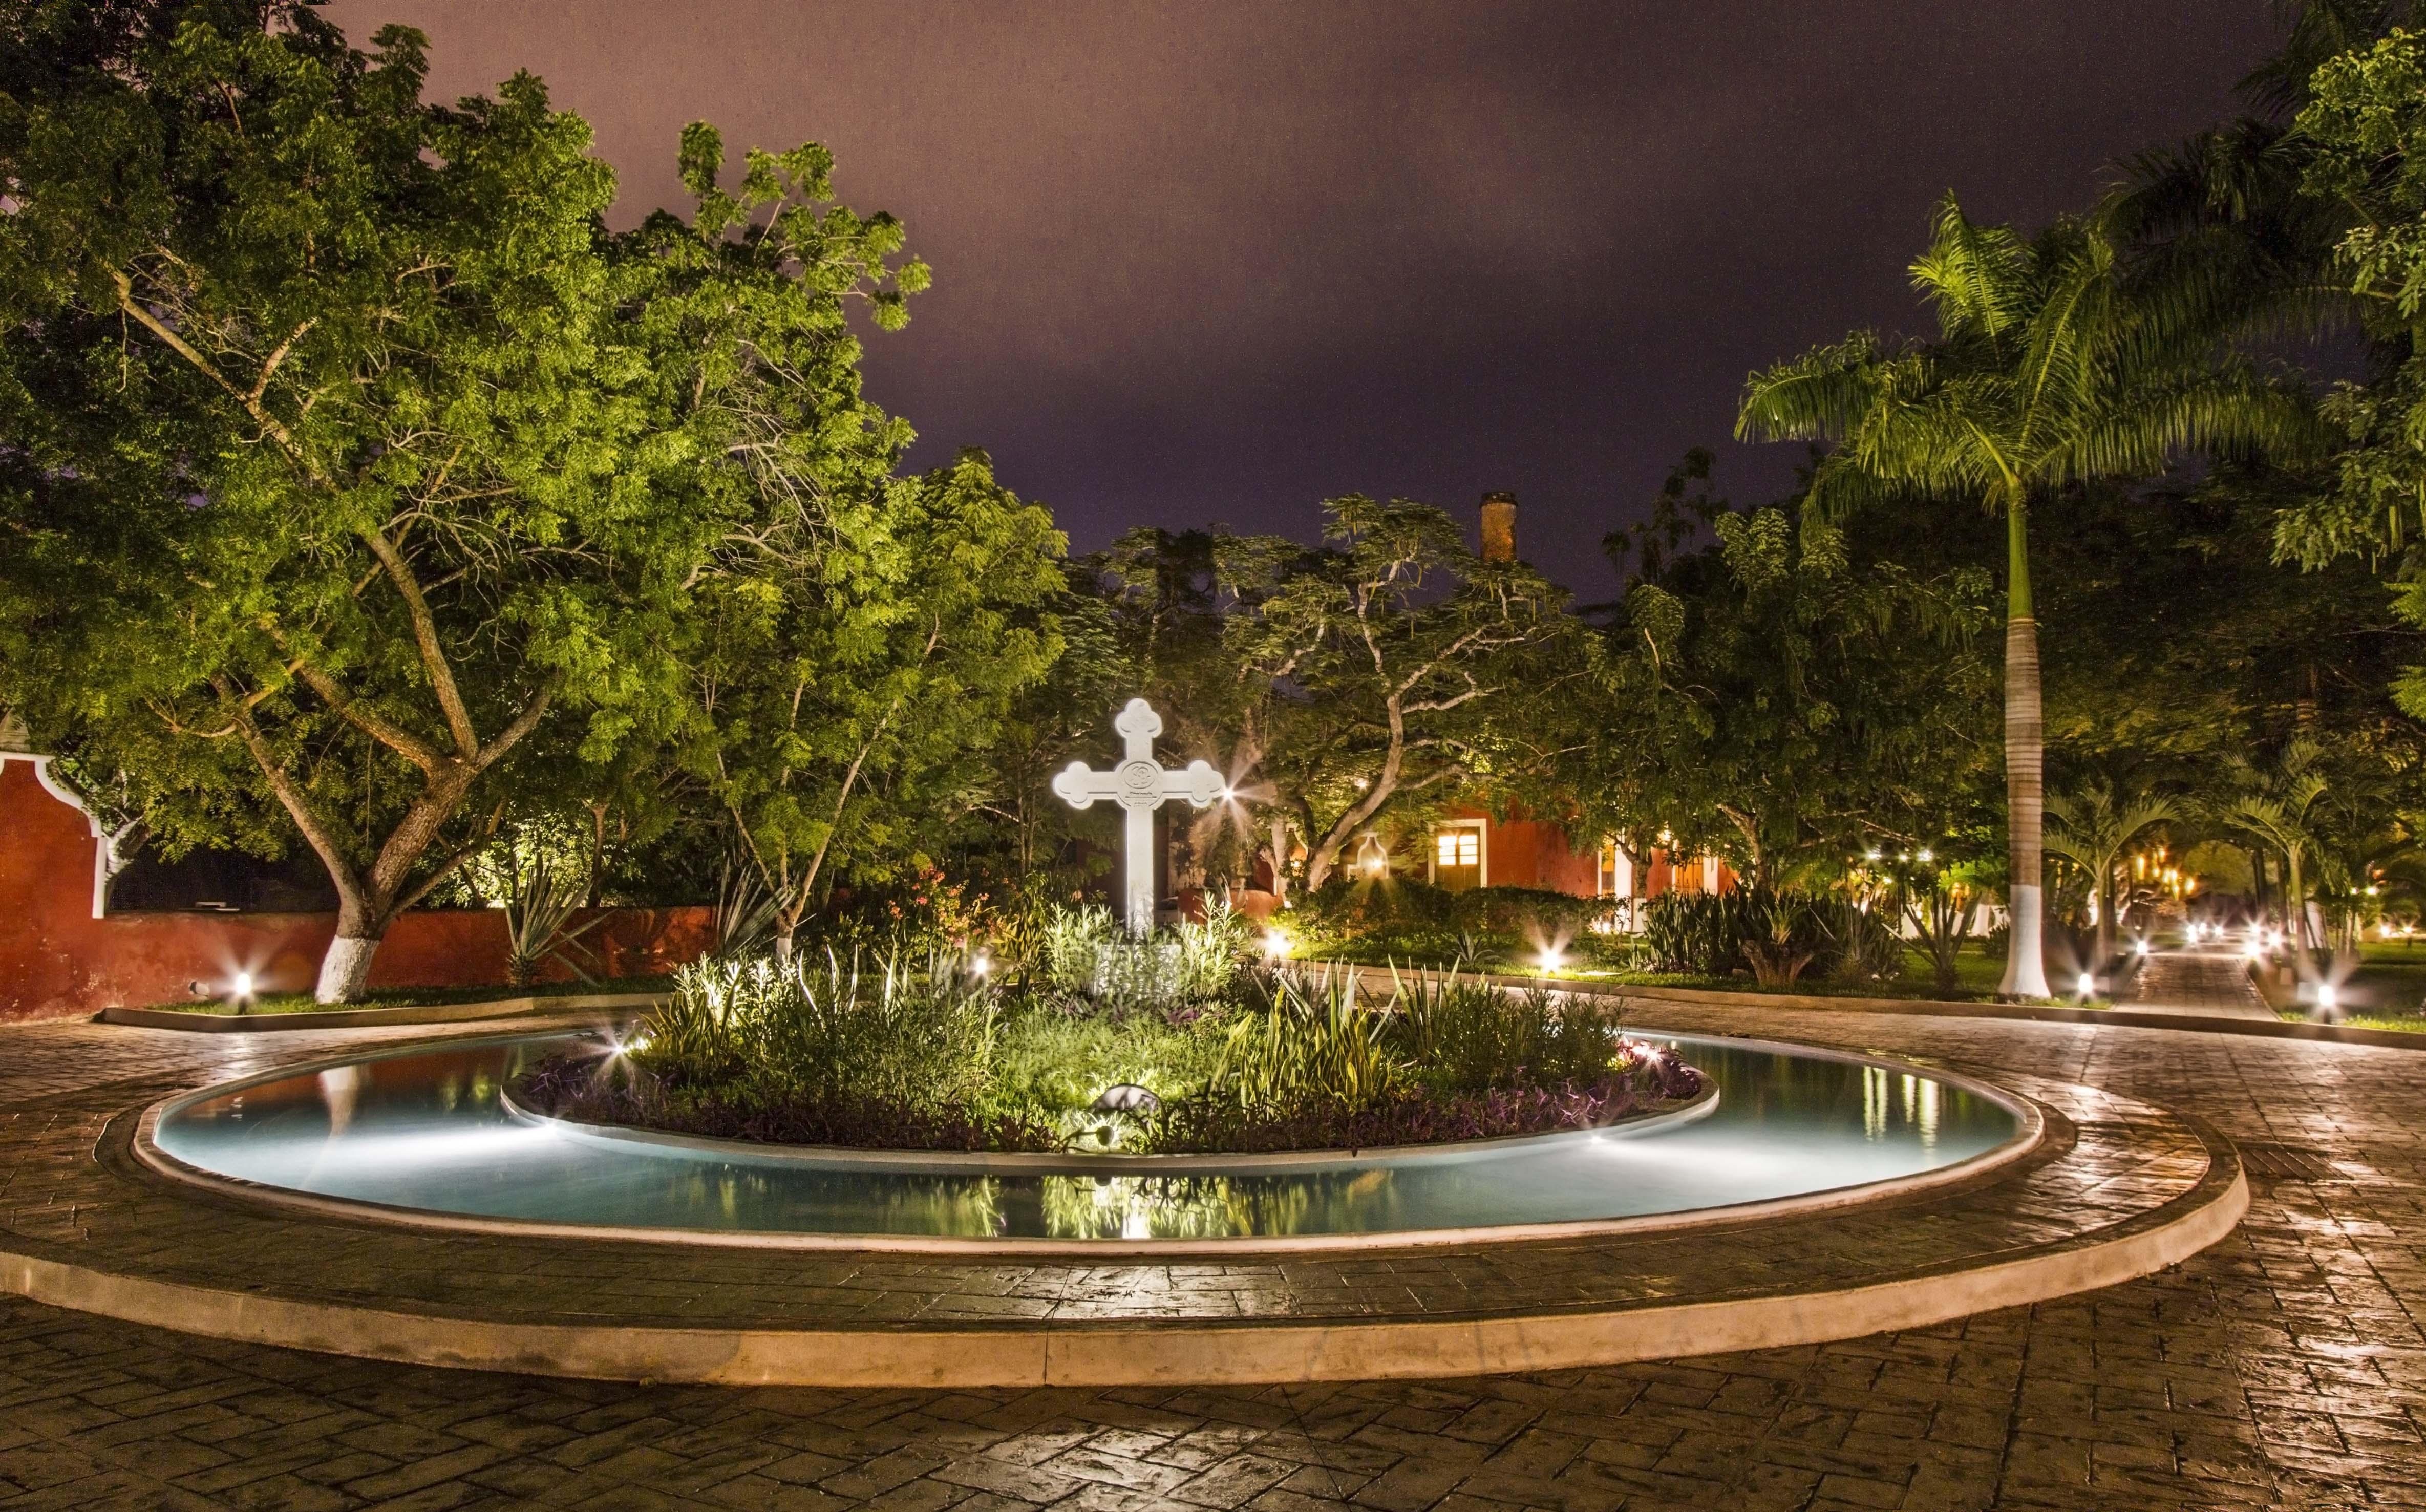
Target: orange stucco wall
x: 1530, y: 853
x: 1536, y: 853
x: 58, y: 960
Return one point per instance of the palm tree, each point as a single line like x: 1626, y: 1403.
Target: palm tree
x: 2045, y: 372
x: 2091, y: 829
x: 2282, y: 806
x: 2356, y: 840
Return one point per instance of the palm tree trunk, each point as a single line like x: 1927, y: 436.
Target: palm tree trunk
x: 2024, y: 772
x: 2295, y: 907
x: 2106, y: 919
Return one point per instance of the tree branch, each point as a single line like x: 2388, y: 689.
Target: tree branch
x: 425, y: 635
x: 402, y: 741
x: 306, y: 819
x: 251, y: 402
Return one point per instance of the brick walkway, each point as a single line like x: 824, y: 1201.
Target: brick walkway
x: 2212, y: 984
x: 2284, y: 1367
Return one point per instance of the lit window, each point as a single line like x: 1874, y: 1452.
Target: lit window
x: 1460, y: 847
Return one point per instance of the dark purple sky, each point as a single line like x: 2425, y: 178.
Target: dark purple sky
x: 1215, y: 262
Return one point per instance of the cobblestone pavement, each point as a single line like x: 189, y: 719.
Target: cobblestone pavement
x: 2209, y: 982
x: 2286, y: 1367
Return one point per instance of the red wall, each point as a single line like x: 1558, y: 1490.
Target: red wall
x: 1533, y: 853
x: 1530, y: 853
x: 56, y: 960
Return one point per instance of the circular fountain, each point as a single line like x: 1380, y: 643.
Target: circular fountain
x: 396, y: 1206
x: 431, y: 1136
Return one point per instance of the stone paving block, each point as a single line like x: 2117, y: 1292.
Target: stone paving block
x: 884, y: 1471
x: 918, y: 1496
x: 759, y: 1493
x: 1235, y: 1480
x: 1023, y: 1483
x: 1088, y: 1463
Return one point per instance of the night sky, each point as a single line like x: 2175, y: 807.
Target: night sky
x: 1216, y: 261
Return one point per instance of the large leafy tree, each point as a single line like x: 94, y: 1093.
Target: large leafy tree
x: 853, y: 681
x: 1788, y: 698
x: 2044, y: 372
x: 347, y: 460
x: 2363, y: 131
x: 1386, y: 663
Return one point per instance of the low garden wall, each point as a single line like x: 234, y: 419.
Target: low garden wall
x: 56, y: 960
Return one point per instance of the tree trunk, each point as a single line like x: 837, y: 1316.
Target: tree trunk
x: 2105, y: 914
x: 2025, y: 774
x: 1280, y: 858
x: 1757, y: 860
x: 345, y: 967
x: 2295, y: 910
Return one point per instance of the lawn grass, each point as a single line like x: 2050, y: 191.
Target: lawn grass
x: 2401, y: 1022
x: 413, y: 997
x: 2388, y: 991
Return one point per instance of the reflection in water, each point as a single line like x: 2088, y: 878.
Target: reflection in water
x: 426, y: 1130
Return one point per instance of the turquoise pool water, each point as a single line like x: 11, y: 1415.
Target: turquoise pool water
x: 426, y: 1129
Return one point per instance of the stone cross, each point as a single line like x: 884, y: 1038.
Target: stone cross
x: 1139, y: 786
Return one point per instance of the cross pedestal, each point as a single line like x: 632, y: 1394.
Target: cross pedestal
x: 1139, y: 787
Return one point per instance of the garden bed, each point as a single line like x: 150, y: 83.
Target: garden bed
x: 573, y: 1091
x: 933, y: 1162
x: 1165, y: 1046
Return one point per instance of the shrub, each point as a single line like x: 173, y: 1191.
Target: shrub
x: 913, y: 1052
x: 1466, y: 1036
x: 1776, y: 934
x: 1869, y: 944
x: 883, y: 1029
x: 1526, y: 911
x: 1357, y: 905
x: 1088, y: 952
x: 1418, y: 1116
x: 1700, y: 933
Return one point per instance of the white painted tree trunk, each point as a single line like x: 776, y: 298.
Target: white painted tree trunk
x: 346, y: 969
x: 2025, y: 957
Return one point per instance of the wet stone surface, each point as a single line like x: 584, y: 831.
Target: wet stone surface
x: 2282, y: 1367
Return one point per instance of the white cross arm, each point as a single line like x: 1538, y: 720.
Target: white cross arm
x: 1139, y: 784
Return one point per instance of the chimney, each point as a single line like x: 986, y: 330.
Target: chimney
x: 1499, y: 527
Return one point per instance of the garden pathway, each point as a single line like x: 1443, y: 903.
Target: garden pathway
x: 2284, y: 1367
x: 2208, y: 983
